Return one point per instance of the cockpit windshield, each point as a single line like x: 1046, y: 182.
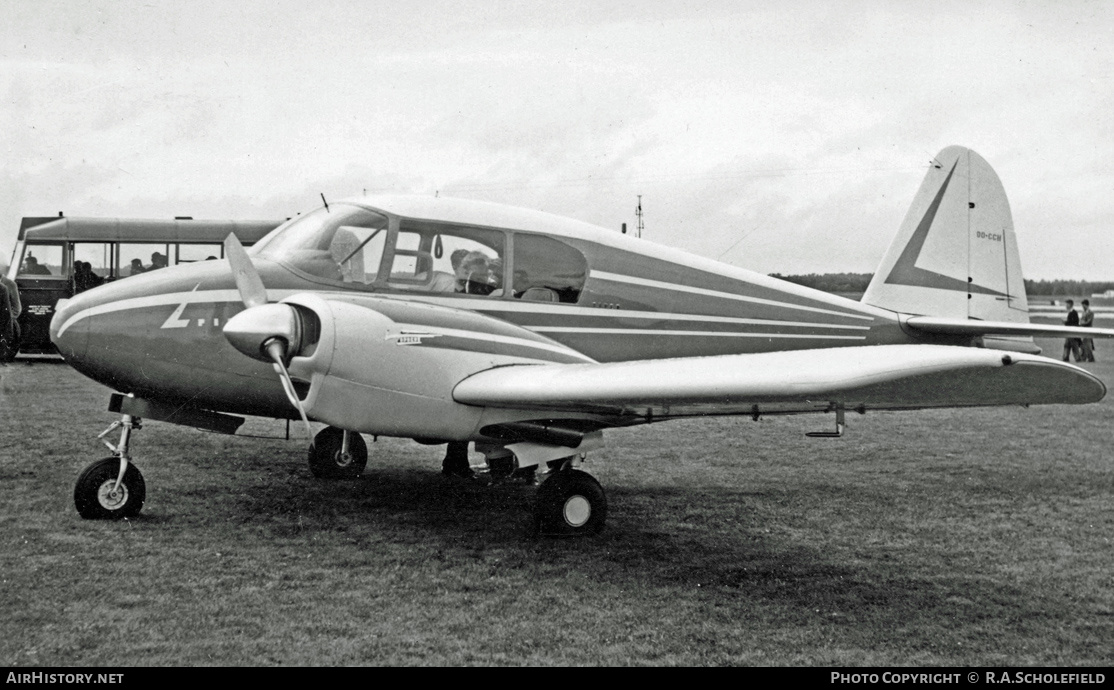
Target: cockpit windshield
x: 341, y: 243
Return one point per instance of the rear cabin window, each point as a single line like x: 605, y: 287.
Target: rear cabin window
x: 546, y: 270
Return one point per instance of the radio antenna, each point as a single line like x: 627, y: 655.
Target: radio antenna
x: 325, y: 202
x: 638, y: 214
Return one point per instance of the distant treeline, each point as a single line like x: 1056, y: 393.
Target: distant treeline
x: 1069, y: 288
x: 857, y: 282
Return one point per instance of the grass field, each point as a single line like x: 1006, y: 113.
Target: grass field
x: 959, y: 537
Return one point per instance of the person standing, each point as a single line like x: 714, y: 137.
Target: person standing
x: 1071, y: 345
x: 10, y: 309
x: 456, y: 462
x: 1087, y: 320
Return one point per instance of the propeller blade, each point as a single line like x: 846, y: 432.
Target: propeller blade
x: 276, y: 350
x: 247, y: 278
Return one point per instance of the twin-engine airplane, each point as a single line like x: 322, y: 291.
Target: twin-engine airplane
x: 451, y: 321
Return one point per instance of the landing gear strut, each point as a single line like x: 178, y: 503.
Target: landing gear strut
x: 337, y: 454
x: 112, y: 488
x: 570, y: 503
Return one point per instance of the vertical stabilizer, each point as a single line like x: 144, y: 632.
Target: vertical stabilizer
x: 956, y: 254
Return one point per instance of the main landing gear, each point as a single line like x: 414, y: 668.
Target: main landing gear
x: 112, y: 488
x: 337, y: 454
x: 570, y: 503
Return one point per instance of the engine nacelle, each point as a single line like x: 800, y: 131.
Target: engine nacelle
x: 383, y: 366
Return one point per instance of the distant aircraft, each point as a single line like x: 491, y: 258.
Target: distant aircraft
x: 452, y: 321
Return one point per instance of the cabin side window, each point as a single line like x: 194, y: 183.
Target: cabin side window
x: 547, y: 270
x: 448, y: 259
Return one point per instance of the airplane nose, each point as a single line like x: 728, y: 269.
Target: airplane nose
x: 68, y: 332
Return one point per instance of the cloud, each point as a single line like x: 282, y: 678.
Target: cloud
x: 796, y: 132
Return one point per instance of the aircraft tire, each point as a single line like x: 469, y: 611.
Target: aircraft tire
x: 569, y: 504
x: 93, y: 497
x: 325, y: 461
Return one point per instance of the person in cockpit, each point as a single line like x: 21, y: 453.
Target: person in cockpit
x: 479, y: 274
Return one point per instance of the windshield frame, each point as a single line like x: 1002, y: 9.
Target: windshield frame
x: 278, y: 245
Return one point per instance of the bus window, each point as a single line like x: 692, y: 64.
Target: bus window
x: 546, y: 270
x: 188, y: 253
x: 91, y: 264
x: 97, y: 254
x: 140, y: 258
x: 42, y: 261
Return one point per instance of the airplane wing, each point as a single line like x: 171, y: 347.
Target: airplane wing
x: 973, y: 327
x: 883, y: 377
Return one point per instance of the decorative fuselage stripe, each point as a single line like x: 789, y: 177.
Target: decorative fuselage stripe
x: 652, y: 331
x: 192, y: 297
x: 488, y: 338
x: 542, y: 308
x: 646, y: 282
x: 233, y: 296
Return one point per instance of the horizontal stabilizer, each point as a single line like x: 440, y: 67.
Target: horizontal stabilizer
x: 974, y: 327
x: 875, y: 377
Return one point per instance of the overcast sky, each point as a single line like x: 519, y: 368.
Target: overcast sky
x: 778, y: 136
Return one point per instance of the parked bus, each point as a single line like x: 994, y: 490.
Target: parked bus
x: 56, y: 257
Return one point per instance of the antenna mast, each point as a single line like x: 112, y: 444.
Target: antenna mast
x: 638, y: 214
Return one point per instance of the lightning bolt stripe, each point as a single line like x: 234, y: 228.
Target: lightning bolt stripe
x: 905, y: 270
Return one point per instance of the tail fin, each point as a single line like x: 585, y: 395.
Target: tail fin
x: 956, y: 254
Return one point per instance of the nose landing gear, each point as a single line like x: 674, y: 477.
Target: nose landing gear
x: 112, y: 488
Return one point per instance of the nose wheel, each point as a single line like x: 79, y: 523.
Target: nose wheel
x: 112, y: 488
x: 98, y: 496
x: 570, y: 503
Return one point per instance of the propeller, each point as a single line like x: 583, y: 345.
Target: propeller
x: 247, y: 278
x: 267, y: 332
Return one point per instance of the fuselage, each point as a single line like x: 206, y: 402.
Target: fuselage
x: 159, y: 335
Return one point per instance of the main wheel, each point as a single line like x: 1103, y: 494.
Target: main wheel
x: 93, y: 495
x: 570, y: 503
x: 327, y: 462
